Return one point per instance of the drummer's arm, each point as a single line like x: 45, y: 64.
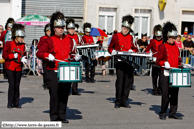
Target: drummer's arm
x: 132, y: 45
x: 6, y: 55
x: 43, y: 50
x: 112, y: 44
x: 160, y: 55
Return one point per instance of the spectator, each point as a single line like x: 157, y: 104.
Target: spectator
x: 184, y: 36
x: 179, y: 43
x: 143, y: 43
x: 1, y: 46
x: 189, y: 45
x: 148, y: 39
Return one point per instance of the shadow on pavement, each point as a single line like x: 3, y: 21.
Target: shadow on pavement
x: 80, y: 90
x: 130, y: 101
x: 25, y: 100
x: 72, y: 114
x: 3, y: 81
x: 103, y: 81
x: 157, y: 109
x: 147, y: 91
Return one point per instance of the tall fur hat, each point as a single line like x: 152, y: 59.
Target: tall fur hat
x: 17, y: 31
x: 56, y: 16
x: 127, y: 21
x: 87, y: 25
x: 9, y: 20
x: 70, y: 23
x: 76, y: 27
x: 169, y: 29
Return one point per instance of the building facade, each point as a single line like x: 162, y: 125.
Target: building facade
x: 104, y: 14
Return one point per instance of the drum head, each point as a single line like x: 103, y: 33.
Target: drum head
x: 106, y: 58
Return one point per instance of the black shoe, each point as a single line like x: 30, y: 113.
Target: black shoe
x: 133, y: 88
x: 125, y: 105
x: 19, y: 107
x: 64, y: 120
x: 175, y: 117
x: 117, y: 105
x: 88, y: 81
x: 162, y: 117
x: 92, y: 81
x: 159, y: 93
x: 45, y: 88
x: 76, y: 94
x: 155, y: 93
x: 10, y: 106
x: 56, y: 119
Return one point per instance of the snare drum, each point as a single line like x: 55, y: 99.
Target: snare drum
x: 107, y: 56
x: 180, y: 78
x: 100, y: 55
x: 69, y: 72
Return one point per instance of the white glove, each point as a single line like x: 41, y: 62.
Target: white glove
x: 1, y: 42
x: 24, y: 60
x: 114, y: 52
x: 166, y: 65
x: 77, y: 57
x: 16, y: 55
x: 130, y: 50
x: 51, y: 57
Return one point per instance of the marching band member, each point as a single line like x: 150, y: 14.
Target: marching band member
x: 14, y: 55
x: 154, y: 43
x: 123, y: 41
x: 88, y: 39
x: 168, y: 56
x: 57, y: 47
x: 47, y: 32
x: 6, y: 36
x: 70, y: 26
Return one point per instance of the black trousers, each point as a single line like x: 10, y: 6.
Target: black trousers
x: 14, y: 78
x: 74, y: 87
x: 155, y: 81
x: 59, y: 93
x: 87, y: 69
x: 124, y: 82
x: 4, y: 71
x: 169, y: 95
x: 45, y: 85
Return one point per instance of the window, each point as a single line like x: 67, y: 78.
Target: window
x: 107, y: 19
x: 142, y: 22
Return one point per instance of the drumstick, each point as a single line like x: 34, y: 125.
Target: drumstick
x: 171, y: 67
x: 59, y: 60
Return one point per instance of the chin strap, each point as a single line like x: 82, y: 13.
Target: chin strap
x: 58, y: 32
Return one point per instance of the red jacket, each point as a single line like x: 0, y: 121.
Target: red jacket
x: 2, y: 37
x: 87, y: 39
x: 9, y: 49
x: 153, y: 46
x: 169, y: 53
x: 59, y: 48
x: 41, y: 41
x: 120, y: 42
x: 75, y: 37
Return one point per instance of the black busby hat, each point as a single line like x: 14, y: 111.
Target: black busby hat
x: 127, y: 21
x: 9, y: 20
x: 46, y: 28
x: 87, y: 27
x: 76, y: 27
x: 158, y: 30
x: 57, y: 19
x: 17, y: 31
x: 70, y: 23
x: 169, y: 29
x: 144, y: 35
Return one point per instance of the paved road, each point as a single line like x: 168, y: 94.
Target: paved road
x: 94, y: 109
